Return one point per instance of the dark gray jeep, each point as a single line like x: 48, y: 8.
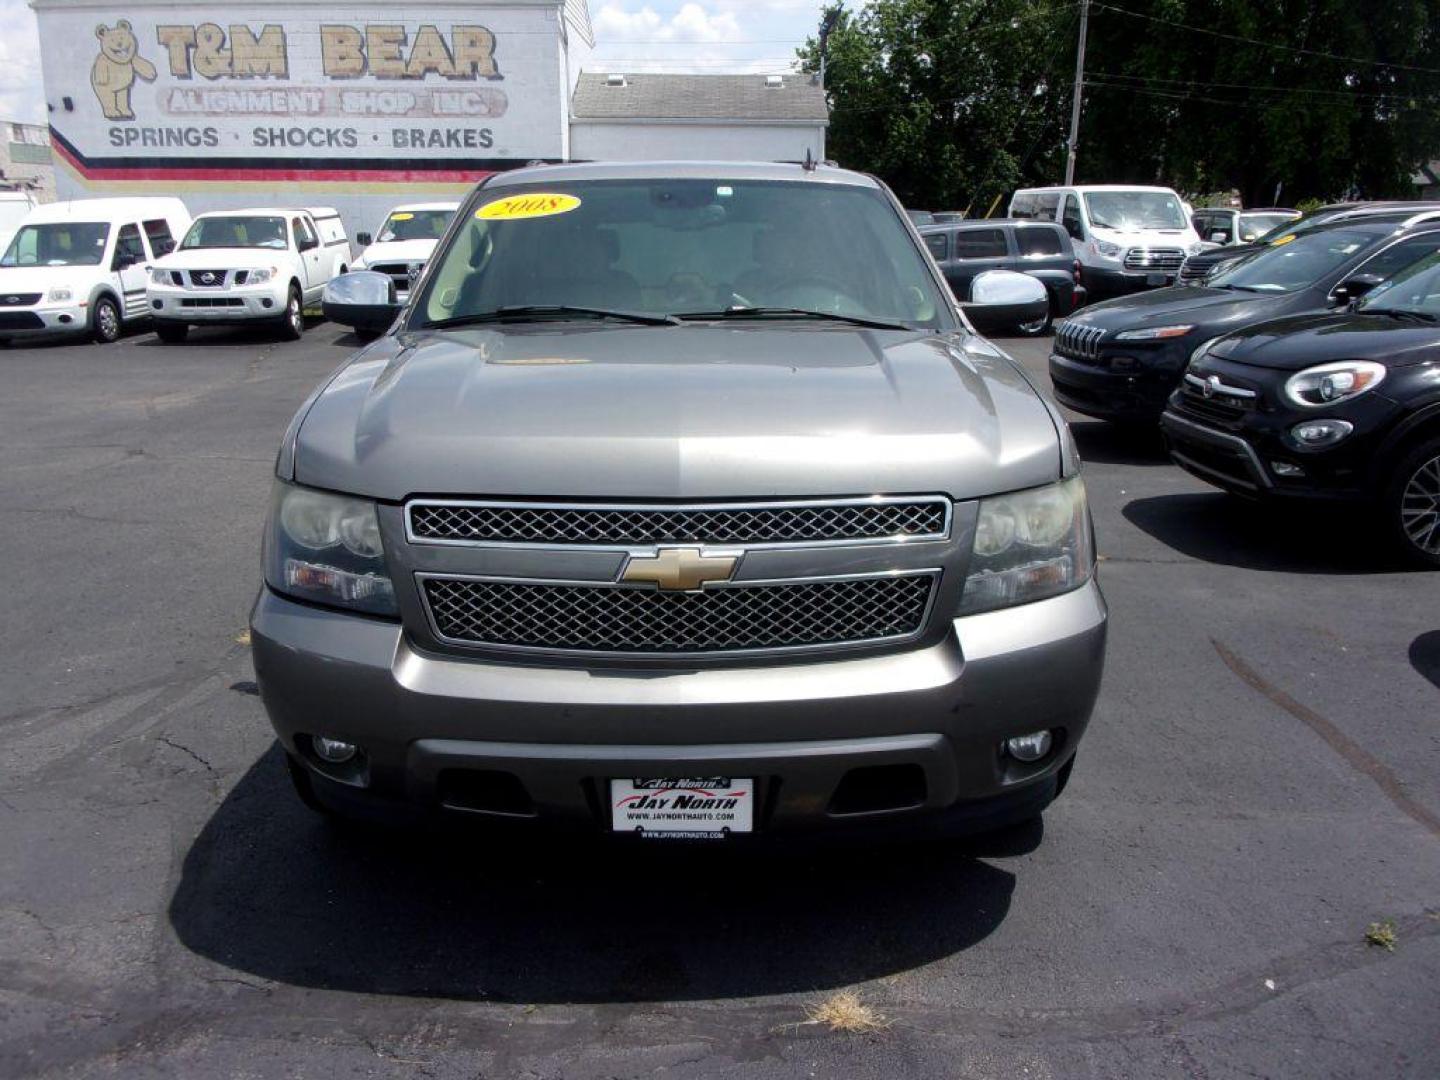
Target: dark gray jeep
x: 679, y: 500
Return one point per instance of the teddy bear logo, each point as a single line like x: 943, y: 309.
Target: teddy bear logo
x: 116, y: 69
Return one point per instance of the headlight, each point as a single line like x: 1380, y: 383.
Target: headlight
x: 58, y: 294
x: 259, y: 277
x: 1105, y: 248
x: 1154, y: 333
x: 1029, y: 545
x: 326, y: 548
x: 1196, y: 248
x: 1326, y: 384
x: 161, y: 277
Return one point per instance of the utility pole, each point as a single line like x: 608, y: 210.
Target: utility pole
x: 1079, y: 92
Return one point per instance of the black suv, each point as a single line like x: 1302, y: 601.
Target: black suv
x: 1120, y: 360
x: 1339, y: 406
x: 1038, y: 248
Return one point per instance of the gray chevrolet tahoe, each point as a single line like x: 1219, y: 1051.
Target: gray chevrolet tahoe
x: 679, y: 500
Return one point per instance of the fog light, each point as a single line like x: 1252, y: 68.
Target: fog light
x: 1284, y: 468
x: 1321, y: 432
x: 157, y: 304
x: 66, y: 319
x: 333, y: 750
x: 1030, y: 747
x: 267, y: 303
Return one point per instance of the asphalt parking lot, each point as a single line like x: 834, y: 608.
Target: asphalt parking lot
x: 1259, y: 786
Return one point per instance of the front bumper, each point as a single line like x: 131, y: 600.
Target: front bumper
x: 1093, y: 387
x: 1105, y: 282
x: 27, y: 322
x: 555, y: 735
x: 193, y: 306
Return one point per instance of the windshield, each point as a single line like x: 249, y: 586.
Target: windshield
x: 678, y: 247
x: 235, y: 232
x: 1297, y: 264
x: 1416, y: 288
x: 62, y: 243
x: 1133, y: 210
x: 1256, y: 226
x: 415, y: 225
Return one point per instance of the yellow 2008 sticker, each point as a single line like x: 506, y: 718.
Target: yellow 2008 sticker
x: 534, y: 204
x: 401, y: 217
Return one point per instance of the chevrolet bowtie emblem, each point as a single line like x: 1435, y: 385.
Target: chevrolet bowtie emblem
x: 679, y: 568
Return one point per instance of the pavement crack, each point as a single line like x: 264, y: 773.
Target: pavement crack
x: 1351, y: 752
x: 186, y: 750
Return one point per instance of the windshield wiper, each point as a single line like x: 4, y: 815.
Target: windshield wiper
x: 538, y: 312
x: 792, y: 313
x: 1401, y: 313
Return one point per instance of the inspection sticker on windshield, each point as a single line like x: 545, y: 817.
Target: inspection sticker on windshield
x: 535, y: 204
x: 697, y: 808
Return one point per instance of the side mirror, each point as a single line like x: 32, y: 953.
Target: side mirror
x: 363, y: 239
x: 1000, y: 299
x: 1352, y: 288
x: 1219, y: 236
x: 306, y: 243
x: 125, y: 261
x: 362, y: 299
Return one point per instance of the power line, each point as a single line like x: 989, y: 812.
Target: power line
x: 1115, y: 81
x: 1266, y: 44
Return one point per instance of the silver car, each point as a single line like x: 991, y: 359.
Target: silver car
x: 680, y: 501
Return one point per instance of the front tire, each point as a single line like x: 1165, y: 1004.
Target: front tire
x: 1412, y: 504
x: 172, y: 333
x: 105, y: 321
x: 292, y: 323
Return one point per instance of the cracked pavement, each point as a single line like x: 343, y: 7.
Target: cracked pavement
x: 1259, y: 785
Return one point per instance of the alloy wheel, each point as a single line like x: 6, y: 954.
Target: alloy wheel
x: 107, y: 321
x: 1420, y: 507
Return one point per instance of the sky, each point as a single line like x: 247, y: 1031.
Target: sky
x: 662, y: 35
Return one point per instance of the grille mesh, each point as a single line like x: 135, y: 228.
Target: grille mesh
x: 749, y: 525
x: 625, y: 620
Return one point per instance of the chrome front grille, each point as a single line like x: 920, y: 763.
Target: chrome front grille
x: 399, y: 272
x: 207, y: 279
x: 729, y: 618
x: 1211, y: 398
x: 1077, y: 341
x: 19, y: 299
x: 748, y: 524
x: 1166, y: 259
x: 1193, y: 271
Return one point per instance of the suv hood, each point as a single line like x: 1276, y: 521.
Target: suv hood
x: 222, y: 258
x: 399, y: 251
x: 688, y: 412
x: 1210, y: 310
x: 1303, y: 341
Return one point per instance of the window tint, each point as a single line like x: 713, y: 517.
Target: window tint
x: 415, y: 225
x: 1046, y: 205
x: 158, y: 233
x: 235, y: 232
x: 1037, y: 240
x: 938, y: 243
x: 68, y: 243
x: 1396, y: 258
x: 1297, y: 264
x: 1022, y: 206
x: 1415, y: 288
x: 303, y: 232
x: 128, y: 247
x: 1254, y: 226
x: 1071, y: 218
x: 687, y: 246
x: 980, y: 244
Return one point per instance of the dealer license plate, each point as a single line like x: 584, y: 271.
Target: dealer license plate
x: 1157, y: 279
x: 701, y: 808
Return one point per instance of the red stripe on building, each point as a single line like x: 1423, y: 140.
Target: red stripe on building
x: 413, y: 176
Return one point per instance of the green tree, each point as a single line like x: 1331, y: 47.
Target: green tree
x: 956, y: 103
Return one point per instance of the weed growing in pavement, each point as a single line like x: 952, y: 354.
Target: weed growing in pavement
x: 1382, y: 934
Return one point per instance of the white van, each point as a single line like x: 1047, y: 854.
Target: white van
x: 79, y: 267
x: 1126, y: 237
x: 405, y: 242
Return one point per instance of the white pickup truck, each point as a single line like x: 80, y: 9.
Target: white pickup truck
x: 247, y: 266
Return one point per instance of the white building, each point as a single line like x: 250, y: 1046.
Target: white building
x: 370, y: 104
x: 25, y: 160
x: 706, y: 117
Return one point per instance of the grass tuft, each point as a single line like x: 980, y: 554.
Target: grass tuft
x: 845, y: 1011
x: 1382, y: 934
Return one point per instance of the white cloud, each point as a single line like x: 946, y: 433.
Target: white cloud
x: 22, y: 92
x: 718, y: 36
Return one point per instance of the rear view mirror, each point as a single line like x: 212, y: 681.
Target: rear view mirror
x: 362, y: 299
x: 363, y: 239
x: 1000, y: 299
